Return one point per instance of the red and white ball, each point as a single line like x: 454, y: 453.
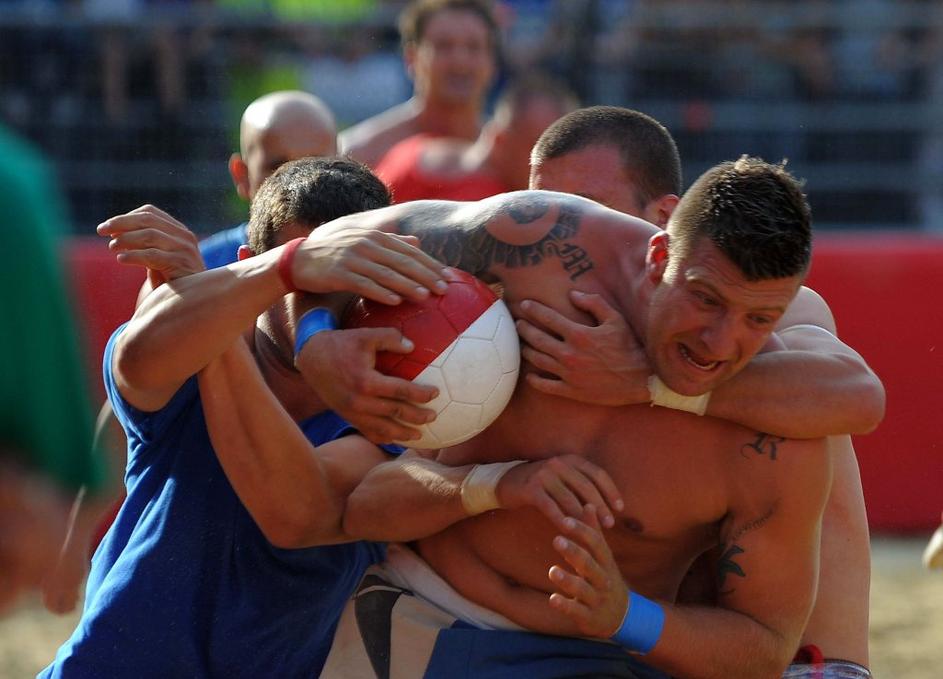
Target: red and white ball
x: 465, y: 344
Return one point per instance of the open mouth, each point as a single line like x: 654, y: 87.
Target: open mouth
x: 691, y: 359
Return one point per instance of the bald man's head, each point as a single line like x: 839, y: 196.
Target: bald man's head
x: 276, y: 128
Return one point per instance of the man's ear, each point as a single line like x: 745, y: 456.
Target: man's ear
x: 409, y: 59
x: 244, y: 252
x: 656, y: 259
x: 659, y: 210
x: 239, y: 172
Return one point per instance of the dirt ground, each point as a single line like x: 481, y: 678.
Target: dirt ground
x: 906, y: 620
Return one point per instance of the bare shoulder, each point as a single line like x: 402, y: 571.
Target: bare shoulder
x: 808, y: 308
x: 524, y: 215
x: 369, y: 140
x: 775, y: 474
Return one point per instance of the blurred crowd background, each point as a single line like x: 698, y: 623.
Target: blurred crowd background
x: 138, y: 101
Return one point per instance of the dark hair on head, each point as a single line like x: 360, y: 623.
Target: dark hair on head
x: 648, y: 152
x: 310, y: 192
x: 416, y: 15
x: 754, y: 212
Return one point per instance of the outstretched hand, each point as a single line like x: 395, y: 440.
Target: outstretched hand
x: 559, y: 487
x: 602, y: 364
x: 340, y: 366
x: 590, y: 590
x: 149, y: 237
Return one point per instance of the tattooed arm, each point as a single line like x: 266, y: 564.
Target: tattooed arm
x: 506, y: 235
x: 766, y: 575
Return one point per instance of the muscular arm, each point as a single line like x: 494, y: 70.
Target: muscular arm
x: 180, y: 327
x: 766, y: 575
x: 426, y: 495
x: 184, y: 323
x: 818, y: 387
x: 294, y: 491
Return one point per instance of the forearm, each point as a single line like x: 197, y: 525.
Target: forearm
x: 185, y: 323
x: 703, y: 643
x: 802, y: 394
x: 270, y: 463
x: 424, y: 496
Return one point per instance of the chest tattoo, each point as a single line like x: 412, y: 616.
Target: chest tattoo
x: 765, y: 444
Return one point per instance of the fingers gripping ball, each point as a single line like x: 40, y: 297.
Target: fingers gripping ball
x: 465, y: 345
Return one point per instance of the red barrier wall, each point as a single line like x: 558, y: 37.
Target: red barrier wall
x: 887, y: 296
x: 104, y: 293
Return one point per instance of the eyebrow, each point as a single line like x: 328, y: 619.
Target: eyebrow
x: 723, y: 298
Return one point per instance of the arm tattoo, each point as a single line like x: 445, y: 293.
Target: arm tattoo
x: 765, y: 444
x: 525, y: 211
x: 726, y: 566
x: 472, y: 248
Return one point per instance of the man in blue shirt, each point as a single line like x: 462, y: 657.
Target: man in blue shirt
x: 275, y: 128
x: 194, y: 578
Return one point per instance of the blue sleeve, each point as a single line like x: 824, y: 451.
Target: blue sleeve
x: 328, y: 426
x: 222, y: 248
x: 142, y: 428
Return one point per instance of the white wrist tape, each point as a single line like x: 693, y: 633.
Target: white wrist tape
x: 478, y: 488
x: 662, y: 396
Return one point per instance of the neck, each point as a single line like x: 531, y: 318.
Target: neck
x: 270, y: 345
x: 447, y: 120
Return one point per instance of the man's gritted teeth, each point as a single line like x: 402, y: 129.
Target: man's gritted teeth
x: 697, y: 361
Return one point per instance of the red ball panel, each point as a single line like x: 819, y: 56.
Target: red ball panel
x: 432, y: 325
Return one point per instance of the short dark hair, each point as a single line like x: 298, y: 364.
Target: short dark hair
x: 648, y: 151
x: 754, y: 212
x: 312, y: 191
x: 416, y: 15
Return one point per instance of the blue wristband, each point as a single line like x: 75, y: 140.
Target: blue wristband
x: 641, y: 626
x: 311, y: 323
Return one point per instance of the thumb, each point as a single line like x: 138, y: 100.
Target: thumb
x: 593, y: 303
x: 156, y: 278
x: 391, y: 339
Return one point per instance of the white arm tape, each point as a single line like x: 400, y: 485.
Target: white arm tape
x: 662, y: 396
x: 478, y: 488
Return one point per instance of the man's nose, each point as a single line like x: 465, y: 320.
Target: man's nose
x: 720, y: 337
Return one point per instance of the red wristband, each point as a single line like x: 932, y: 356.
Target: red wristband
x: 285, y: 261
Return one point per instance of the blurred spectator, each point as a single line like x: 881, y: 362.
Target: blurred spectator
x: 119, y: 25
x: 874, y: 56
x: 275, y: 128
x: 45, y: 420
x: 449, y: 48
x: 351, y: 55
x: 556, y: 36
x: 498, y: 161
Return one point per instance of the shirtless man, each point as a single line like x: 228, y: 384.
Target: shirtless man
x: 449, y: 48
x: 628, y: 150
x: 702, y: 318
x: 454, y: 169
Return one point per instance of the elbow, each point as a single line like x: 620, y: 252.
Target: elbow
x: 870, y: 406
x: 284, y: 532
x: 358, y: 512
x: 296, y: 528
x: 132, y: 363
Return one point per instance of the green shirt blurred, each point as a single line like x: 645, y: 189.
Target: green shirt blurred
x: 45, y: 413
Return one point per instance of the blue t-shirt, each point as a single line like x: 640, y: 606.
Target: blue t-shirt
x: 222, y: 248
x: 184, y: 583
